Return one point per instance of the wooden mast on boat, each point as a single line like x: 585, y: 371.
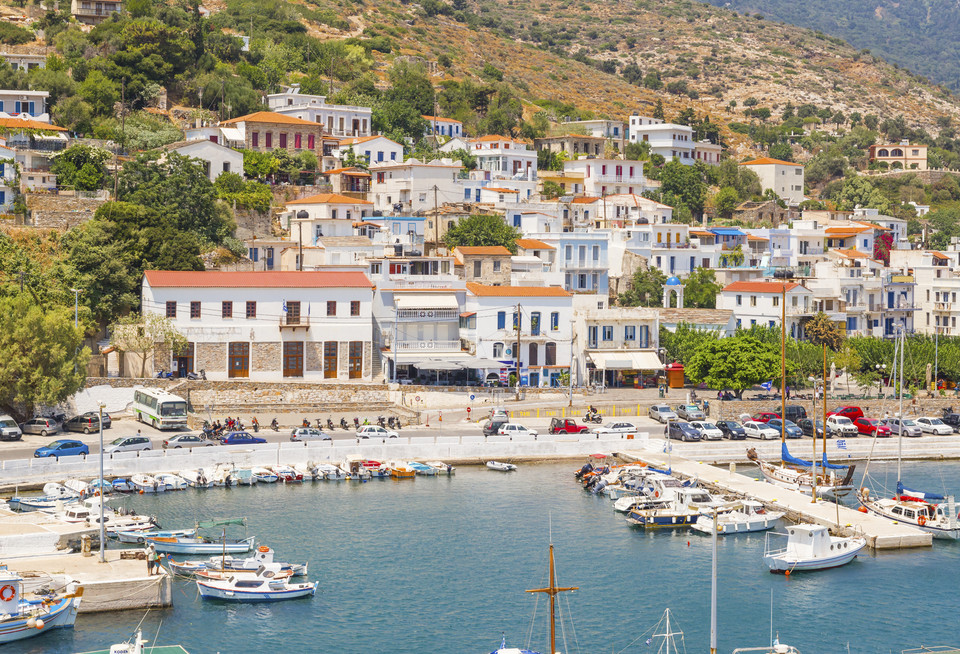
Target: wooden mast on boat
x: 553, y: 590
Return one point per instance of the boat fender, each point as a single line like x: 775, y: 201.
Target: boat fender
x: 656, y: 494
x: 7, y: 593
x: 922, y: 520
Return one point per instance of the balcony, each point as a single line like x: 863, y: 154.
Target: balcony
x: 99, y: 10
x: 427, y: 315
x: 428, y: 346
x: 294, y: 322
x: 901, y: 279
x: 943, y: 306
x: 585, y: 264
x: 424, y: 281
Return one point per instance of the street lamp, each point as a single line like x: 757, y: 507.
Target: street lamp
x: 102, y: 553
x: 881, y: 370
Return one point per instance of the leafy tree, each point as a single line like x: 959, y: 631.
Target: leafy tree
x: 821, y: 330
x: 482, y: 230
x: 686, y: 183
x: 467, y: 158
x: 80, y: 167
x: 686, y: 341
x: 551, y: 190
x: 100, y: 92
x: 700, y: 289
x: 725, y: 201
x: 74, y: 114
x: 491, y: 73
x: 781, y: 151
x: 231, y: 188
x: 653, y: 82
x: 658, y: 110
x: 44, y: 360
x: 142, y: 335
x: 646, y: 289
x: 548, y: 160
x: 105, y: 268
x: 859, y: 191
x: 637, y: 151
x: 736, y: 363
x: 259, y: 165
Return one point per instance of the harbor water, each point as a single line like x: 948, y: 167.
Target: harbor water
x: 441, y: 565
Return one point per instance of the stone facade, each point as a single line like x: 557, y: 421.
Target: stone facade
x: 60, y: 211
x: 266, y: 356
x: 494, y: 270
x: 313, y: 356
x: 343, y: 360
x: 211, y: 357
x: 367, y: 360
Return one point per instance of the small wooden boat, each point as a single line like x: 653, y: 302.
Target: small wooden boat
x: 811, y: 547
x: 38, y: 502
x: 400, y: 470
x: 21, y: 618
x: 423, y: 469
x: 501, y: 466
x: 123, y: 486
x: 442, y: 468
x: 172, y: 482
x: 265, y: 476
x: 140, y: 536
x: 199, y: 545
x: 243, y: 477
x: 286, y: 474
x: 749, y: 516
x: 262, y: 556
x: 265, y: 586
x: 197, y: 478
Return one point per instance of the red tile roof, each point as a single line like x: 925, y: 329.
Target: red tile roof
x: 939, y: 255
x: 14, y: 123
x: 483, y: 250
x: 767, y: 160
x: 351, y: 171
x: 481, y: 290
x: 329, y: 198
x: 250, y: 279
x: 760, y: 287
x: 533, y: 244
x: 270, y: 117
x: 853, y: 254
x: 585, y: 200
x: 443, y: 120
x: 356, y: 140
x: 496, y: 189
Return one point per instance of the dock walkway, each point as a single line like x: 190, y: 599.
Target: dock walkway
x: 881, y: 534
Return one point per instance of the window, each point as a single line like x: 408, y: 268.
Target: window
x: 293, y: 359
x: 498, y: 350
x: 501, y: 320
x: 268, y: 139
x: 776, y: 301
x: 354, y: 307
x: 592, y: 336
x: 311, y: 141
x: 330, y: 360
x: 630, y: 333
x: 283, y: 139
x: 226, y: 309
x: 517, y: 321
x: 476, y: 268
x: 239, y: 360
x: 194, y: 310
x: 293, y: 313
x: 555, y: 321
x: 297, y: 142
x: 255, y: 139
x: 331, y: 307
x: 496, y: 266
x: 171, y: 309
x: 608, y: 332
x: 753, y: 300
x: 550, y: 354
x: 535, y: 323
x: 251, y: 310
x: 355, y: 360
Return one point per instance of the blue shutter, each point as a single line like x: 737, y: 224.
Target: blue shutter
x: 17, y: 106
x: 32, y: 113
x: 501, y: 319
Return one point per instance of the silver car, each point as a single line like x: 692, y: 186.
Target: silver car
x: 662, y: 413
x: 308, y: 434
x: 128, y: 444
x: 42, y: 426
x: 910, y: 428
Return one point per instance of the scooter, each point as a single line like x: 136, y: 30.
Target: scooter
x: 275, y: 425
x: 356, y: 423
x: 161, y: 374
x: 343, y: 424
x: 193, y: 376
x: 390, y: 421
x: 381, y: 421
x: 594, y: 417
x: 330, y: 424
x: 256, y: 425
x: 398, y: 424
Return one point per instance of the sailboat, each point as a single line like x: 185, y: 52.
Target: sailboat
x: 795, y: 473
x: 909, y: 506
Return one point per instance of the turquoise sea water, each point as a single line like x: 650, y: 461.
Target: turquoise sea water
x: 440, y: 565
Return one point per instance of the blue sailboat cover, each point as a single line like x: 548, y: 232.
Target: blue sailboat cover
x: 901, y: 490
x: 792, y: 460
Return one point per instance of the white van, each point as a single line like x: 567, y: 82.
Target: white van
x: 9, y: 429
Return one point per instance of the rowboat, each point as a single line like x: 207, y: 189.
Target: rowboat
x: 501, y: 466
x: 811, y: 547
x: 423, y: 469
x: 262, y: 556
x: 38, y: 502
x: 265, y: 476
x: 172, y: 481
x: 21, y: 618
x: 264, y: 587
x: 123, y: 486
x: 400, y: 470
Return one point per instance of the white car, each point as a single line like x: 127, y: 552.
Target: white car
x: 615, y: 428
x: 708, y: 430
x: 760, y: 430
x: 842, y: 425
x: 375, y: 431
x: 662, y: 413
x: 301, y: 434
x: 129, y: 444
x: 513, y: 429
x: 934, y: 426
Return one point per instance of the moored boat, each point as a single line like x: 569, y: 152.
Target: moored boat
x: 243, y: 477
x: 265, y: 475
x: 442, y: 468
x: 136, y: 536
x: 197, y: 478
x: 123, y: 486
x: 399, y: 470
x: 262, y: 556
x: 21, y: 618
x: 663, y: 514
x: 286, y: 474
x: 199, y: 544
x: 263, y: 587
x: 136, y: 646
x: 147, y: 484
x: 749, y: 516
x: 331, y: 472
x: 172, y: 482
x: 811, y: 547
x: 28, y: 503
x: 501, y: 466
x: 422, y: 469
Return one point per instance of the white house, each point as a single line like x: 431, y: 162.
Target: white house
x: 412, y: 186
x: 616, y: 346
x: 25, y: 61
x: 707, y: 152
x: 501, y: 156
x: 372, y: 149
x: 30, y: 105
x: 448, y: 127
x: 608, y: 176
x: 337, y: 120
x: 672, y: 142
x: 758, y: 303
x: 8, y: 175
x: 217, y: 158
x: 543, y: 326
x: 608, y: 129
x: 324, y: 214
x: 896, y: 226
x: 784, y: 178
x: 266, y: 326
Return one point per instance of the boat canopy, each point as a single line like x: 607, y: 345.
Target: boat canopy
x: 222, y: 522
x: 901, y: 491
x: 792, y: 460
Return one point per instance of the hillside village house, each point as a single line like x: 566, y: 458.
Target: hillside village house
x: 500, y: 156
x: 8, y: 175
x: 24, y: 60
x: 608, y: 176
x: 448, y: 127
x: 29, y: 105
x: 784, y: 178
x: 903, y: 155
x: 341, y: 121
x: 938, y: 283
x: 371, y: 149
x: 413, y: 186
x: 324, y: 214
x: 263, y: 131
x: 619, y: 345
x: 573, y: 144
x: 34, y: 144
x: 217, y: 159
x: 266, y: 326
x: 758, y: 303
x: 484, y: 264
x: 94, y: 12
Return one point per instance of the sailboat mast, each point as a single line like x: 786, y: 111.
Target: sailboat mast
x: 553, y: 590
x: 713, y: 590
x: 783, y: 364
x: 903, y: 343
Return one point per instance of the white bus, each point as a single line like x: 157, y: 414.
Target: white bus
x: 160, y: 409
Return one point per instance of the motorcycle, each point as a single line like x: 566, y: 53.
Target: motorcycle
x: 593, y: 416
x: 398, y: 424
x: 256, y: 425
x: 390, y: 422
x: 356, y: 423
x: 161, y: 374
x: 275, y: 425
x: 193, y: 376
x: 343, y: 424
x: 381, y: 421
x: 330, y: 424
x: 306, y: 423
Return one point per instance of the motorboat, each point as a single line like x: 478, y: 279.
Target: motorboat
x: 265, y: 476
x: 197, y: 478
x: 423, y: 469
x: 147, y: 484
x: 501, y: 466
x: 309, y: 471
x: 136, y: 646
x: 663, y: 514
x: 22, y: 618
x: 286, y: 474
x: 89, y: 513
x: 199, y: 544
x: 264, y: 586
x: 172, y: 481
x: 244, y: 477
x: 238, y: 574
x: 223, y: 476
x: 810, y: 547
x: 376, y: 469
x: 400, y: 470
x: 78, y: 486
x: 331, y: 472
x: 748, y: 516
x: 123, y: 486
x: 262, y: 556
x: 140, y: 536
x: 101, y: 487
x: 28, y: 503
x: 55, y: 490
x: 917, y: 509
x: 503, y: 649
x: 442, y: 468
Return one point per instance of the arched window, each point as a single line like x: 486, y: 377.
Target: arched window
x: 883, y: 152
x: 896, y: 152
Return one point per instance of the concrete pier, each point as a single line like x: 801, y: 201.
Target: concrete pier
x: 880, y: 533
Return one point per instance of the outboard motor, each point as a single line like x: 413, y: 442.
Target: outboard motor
x: 587, y: 467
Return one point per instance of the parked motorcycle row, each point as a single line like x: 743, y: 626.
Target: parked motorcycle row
x: 387, y: 423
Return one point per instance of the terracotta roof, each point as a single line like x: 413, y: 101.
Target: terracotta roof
x: 853, y: 254
x: 14, y: 123
x: 875, y: 226
x: 698, y: 232
x: 494, y: 137
x: 328, y: 198
x: 585, y: 200
x: 355, y: 172
x: 496, y: 189
x: 481, y: 290
x: 939, y: 255
x: 751, y: 237
x: 533, y: 244
x: 760, y: 287
x: 845, y: 230
x: 483, y: 249
x: 356, y: 140
x: 762, y: 161
x: 269, y: 117
x: 445, y: 120
x: 250, y: 279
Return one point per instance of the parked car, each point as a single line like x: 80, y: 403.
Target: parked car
x: 185, y: 440
x: 661, y: 413
x: 934, y: 426
x: 566, y: 426
x: 870, y: 427
x: 9, y: 429
x: 708, y: 430
x: 128, y: 444
x: 375, y: 431
x: 795, y: 413
x: 300, y: 434
x: 683, y: 431
x: 86, y: 424
x: 952, y: 418
x: 241, y: 438
x: 615, y: 428
x: 841, y: 425
x: 42, y: 426
x: 808, y: 425
x: 852, y: 412
x: 909, y: 427
x: 793, y: 431
x: 764, y: 416
x: 761, y: 430
x: 732, y: 429
x: 492, y: 427
x: 513, y: 429
x: 107, y: 420
x: 689, y: 412
x: 59, y: 448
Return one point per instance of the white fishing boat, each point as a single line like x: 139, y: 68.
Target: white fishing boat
x: 147, y: 484
x: 265, y: 475
x: 263, y: 587
x: 286, y: 474
x: 21, y: 618
x: 101, y: 487
x: 88, y: 512
x: 55, y: 490
x: 140, y: 536
x: 243, y: 477
x: 810, y: 547
x: 223, y: 477
x: 331, y: 472
x: 78, y: 486
x: 197, y: 478
x: 309, y: 471
x: 172, y: 482
x: 28, y: 503
x: 136, y: 646
x: 123, y: 486
x: 423, y: 469
x: 442, y: 468
x: 261, y: 557
x: 663, y: 514
x: 747, y: 516
x: 501, y: 466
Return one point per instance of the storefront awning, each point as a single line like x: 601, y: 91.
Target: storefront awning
x: 626, y: 360
x: 425, y: 301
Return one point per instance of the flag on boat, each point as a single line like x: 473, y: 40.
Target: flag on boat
x: 905, y: 493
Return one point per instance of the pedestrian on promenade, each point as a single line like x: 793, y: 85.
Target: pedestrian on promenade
x: 152, y: 559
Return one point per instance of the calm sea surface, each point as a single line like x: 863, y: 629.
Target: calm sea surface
x: 440, y: 565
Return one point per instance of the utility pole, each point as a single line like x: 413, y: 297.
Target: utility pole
x: 517, y: 325
x: 436, y: 220
x: 300, y: 257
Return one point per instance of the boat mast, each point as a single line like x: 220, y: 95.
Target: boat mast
x: 713, y: 590
x: 553, y: 590
x: 903, y: 343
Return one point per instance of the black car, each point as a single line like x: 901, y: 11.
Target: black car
x: 682, y: 431
x: 492, y: 427
x: 732, y: 430
x: 951, y: 418
x: 795, y: 413
x: 107, y: 421
x: 84, y: 423
x: 806, y: 425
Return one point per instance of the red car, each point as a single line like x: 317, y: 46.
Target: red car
x: 765, y: 416
x: 852, y: 412
x: 870, y: 427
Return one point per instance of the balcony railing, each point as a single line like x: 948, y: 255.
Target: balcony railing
x: 428, y: 346
x: 943, y: 306
x: 428, y: 315
x: 294, y: 322
x: 104, y: 10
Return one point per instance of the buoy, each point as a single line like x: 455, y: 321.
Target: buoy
x: 688, y: 543
x: 786, y: 573
x: 31, y: 622
x: 862, y: 509
x: 40, y: 624
x: 141, y: 491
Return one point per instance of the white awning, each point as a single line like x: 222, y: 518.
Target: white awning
x: 615, y: 360
x: 232, y: 134
x: 425, y: 301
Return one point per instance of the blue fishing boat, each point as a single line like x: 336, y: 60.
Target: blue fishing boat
x: 123, y: 486
x: 21, y: 618
x: 198, y: 544
x: 422, y: 469
x: 38, y: 502
x: 264, y: 586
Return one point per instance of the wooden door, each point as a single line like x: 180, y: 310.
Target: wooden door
x: 239, y: 364
x: 293, y: 359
